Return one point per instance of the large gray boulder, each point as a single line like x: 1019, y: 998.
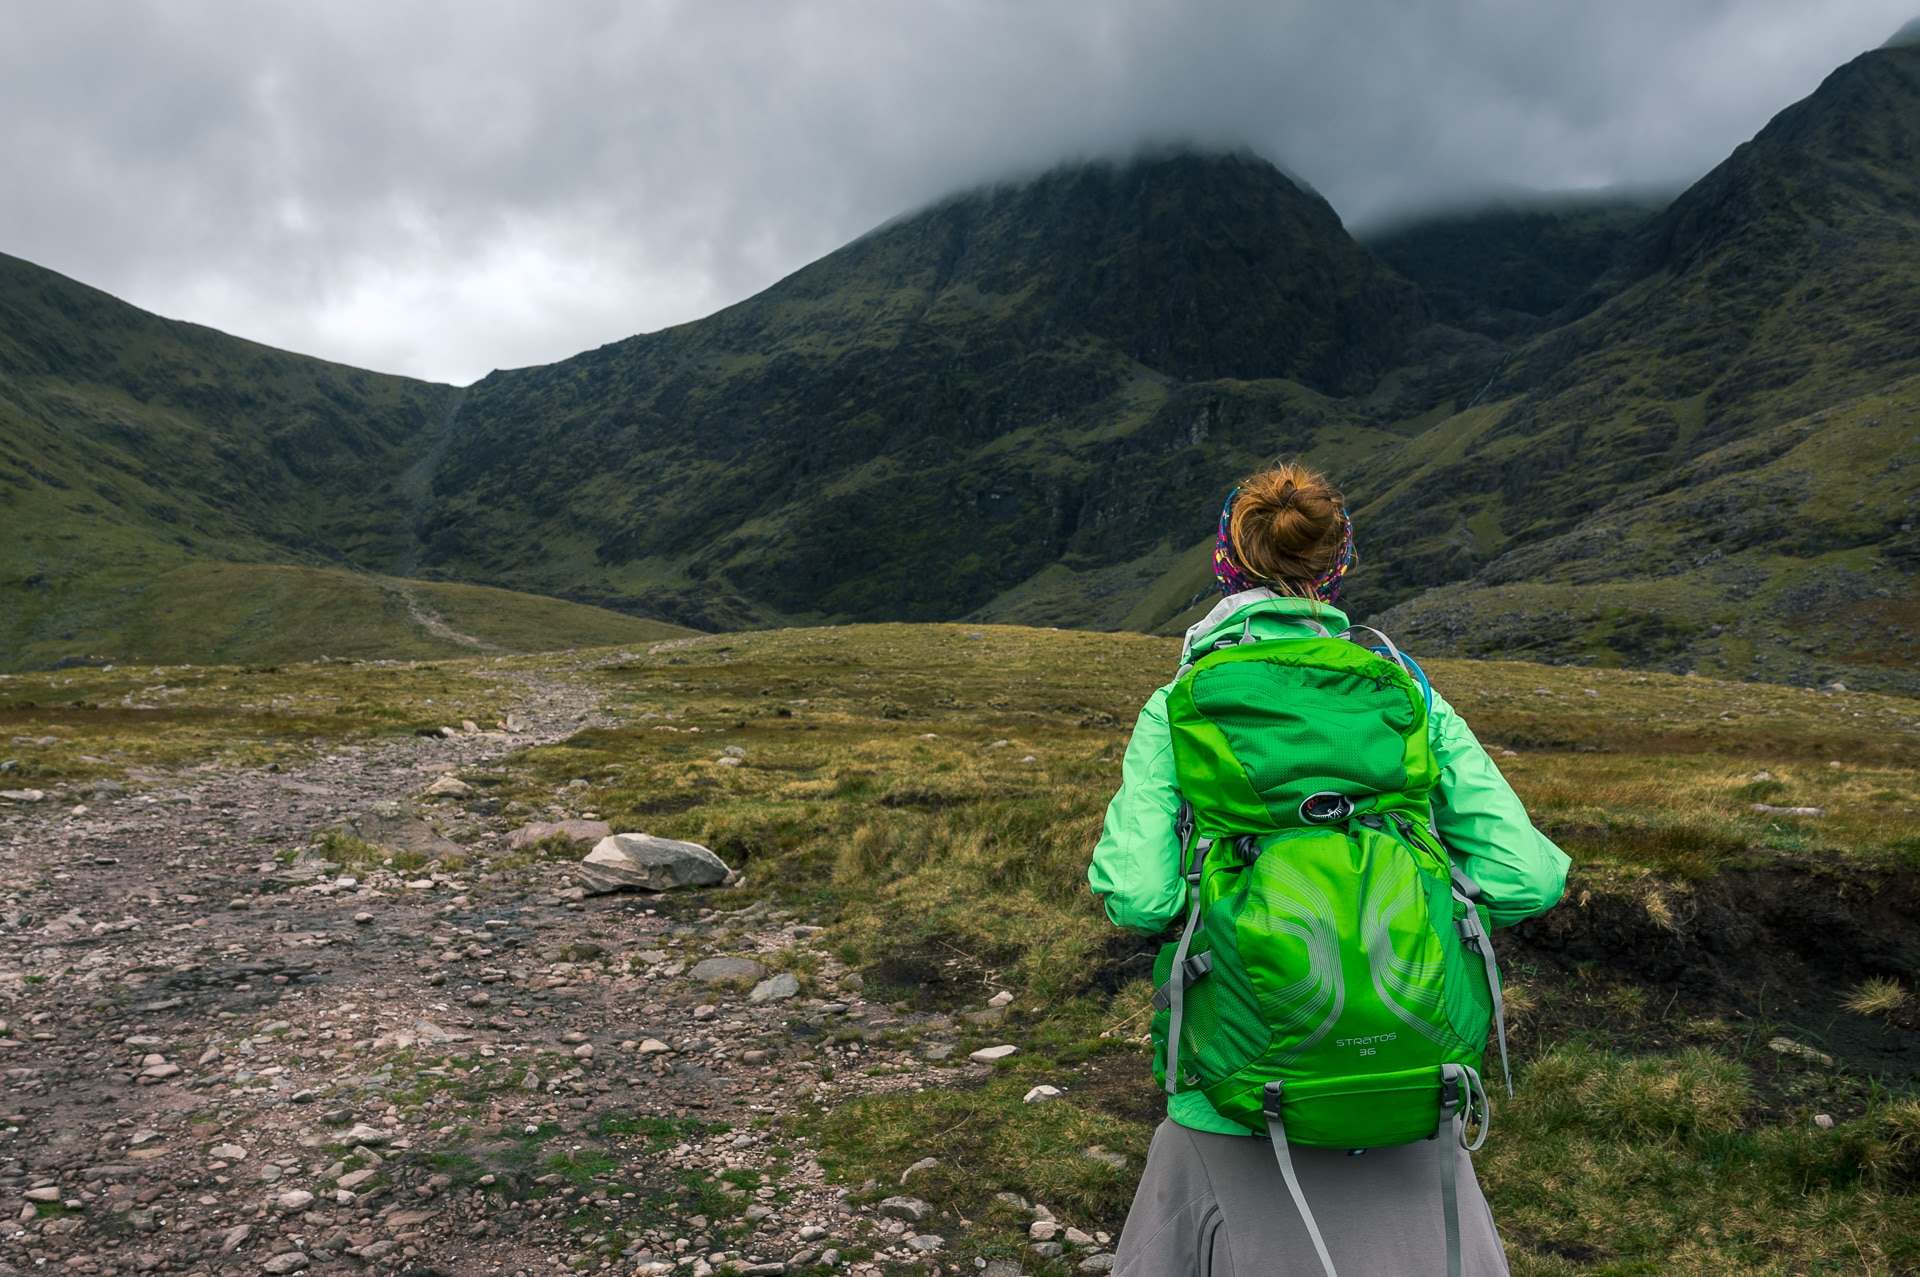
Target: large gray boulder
x: 641, y: 862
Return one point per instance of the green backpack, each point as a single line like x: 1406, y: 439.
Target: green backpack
x: 1334, y: 983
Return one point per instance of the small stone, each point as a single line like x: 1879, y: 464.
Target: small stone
x: 370, y: 1136
x: 589, y: 831
x: 449, y: 787
x: 1116, y: 1160
x: 1000, y: 999
x: 920, y: 1167
x: 926, y: 1243
x: 1787, y: 1046
x: 235, y: 1238
x: 297, y: 1200
x: 1102, y: 1263
x: 1043, y: 1230
x: 991, y: 1054
x: 288, y: 1261
x: 1823, y: 1120
x: 229, y: 1152
x: 51, y: 1193
x: 1074, y: 1237
x: 728, y: 971
x: 910, y: 1209
x: 775, y: 988
x: 654, y: 1046
x: 1768, y: 809
x: 1041, y: 1094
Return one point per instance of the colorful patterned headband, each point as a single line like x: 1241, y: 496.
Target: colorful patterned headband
x: 1233, y: 578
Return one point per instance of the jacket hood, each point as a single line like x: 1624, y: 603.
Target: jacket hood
x: 1285, y: 610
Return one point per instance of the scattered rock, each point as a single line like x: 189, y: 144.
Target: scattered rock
x: 1000, y: 999
x: 399, y: 827
x: 910, y: 1209
x: 645, y: 863
x: 448, y: 787
x: 775, y: 988
x: 1042, y: 1093
x: 920, y: 1167
x: 989, y: 1054
x: 571, y: 830
x: 1787, y: 1046
x: 727, y: 971
x: 1768, y: 809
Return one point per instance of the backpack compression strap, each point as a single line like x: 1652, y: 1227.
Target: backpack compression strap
x: 1176, y: 986
x: 1475, y: 936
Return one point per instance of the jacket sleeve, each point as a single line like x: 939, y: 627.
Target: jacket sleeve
x: 1479, y: 817
x: 1136, y: 864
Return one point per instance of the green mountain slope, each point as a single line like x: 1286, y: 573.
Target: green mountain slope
x: 1508, y: 268
x: 935, y: 413
x: 1693, y: 456
x: 135, y: 451
x: 1599, y: 431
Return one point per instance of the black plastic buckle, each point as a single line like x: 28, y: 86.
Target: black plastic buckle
x: 1270, y: 1099
x: 1325, y: 808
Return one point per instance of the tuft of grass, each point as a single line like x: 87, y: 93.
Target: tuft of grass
x: 1878, y: 995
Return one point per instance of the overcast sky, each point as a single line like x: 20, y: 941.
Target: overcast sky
x: 441, y: 189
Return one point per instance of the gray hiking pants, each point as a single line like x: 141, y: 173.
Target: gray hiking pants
x: 1215, y: 1206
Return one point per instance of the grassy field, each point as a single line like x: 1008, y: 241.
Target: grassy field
x: 934, y: 791
x: 930, y: 793
x: 108, y: 724
x: 204, y: 612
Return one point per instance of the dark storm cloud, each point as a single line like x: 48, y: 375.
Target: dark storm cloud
x: 445, y: 188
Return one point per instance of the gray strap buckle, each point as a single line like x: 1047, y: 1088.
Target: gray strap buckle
x: 1193, y: 967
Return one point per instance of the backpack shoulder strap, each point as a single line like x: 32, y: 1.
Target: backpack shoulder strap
x: 1394, y: 654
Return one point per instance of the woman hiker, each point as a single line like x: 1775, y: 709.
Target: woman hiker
x: 1328, y: 1006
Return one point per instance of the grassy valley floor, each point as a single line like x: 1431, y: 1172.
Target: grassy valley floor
x: 1717, y: 1038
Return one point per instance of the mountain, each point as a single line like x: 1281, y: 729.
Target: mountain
x: 930, y: 416
x: 1508, y: 268
x: 1675, y: 434
x: 1718, y: 460
x: 136, y: 451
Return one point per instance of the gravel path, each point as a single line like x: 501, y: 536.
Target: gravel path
x: 215, y: 1058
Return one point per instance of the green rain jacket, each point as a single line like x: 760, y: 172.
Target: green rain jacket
x: 1136, y: 866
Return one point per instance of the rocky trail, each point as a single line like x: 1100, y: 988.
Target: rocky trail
x: 220, y: 1053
